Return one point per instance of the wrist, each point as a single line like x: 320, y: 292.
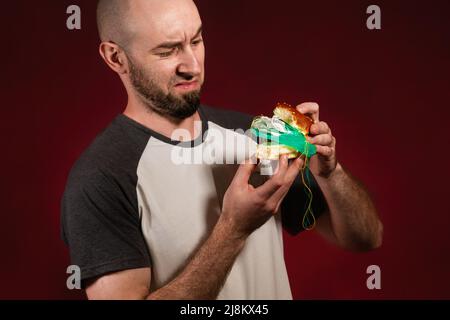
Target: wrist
x: 228, y: 227
x: 335, y: 173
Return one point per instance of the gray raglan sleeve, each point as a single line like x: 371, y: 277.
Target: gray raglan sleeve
x: 100, y: 224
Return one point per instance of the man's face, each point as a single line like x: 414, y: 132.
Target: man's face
x: 166, y: 56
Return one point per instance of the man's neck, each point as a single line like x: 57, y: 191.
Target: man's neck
x: 164, y: 125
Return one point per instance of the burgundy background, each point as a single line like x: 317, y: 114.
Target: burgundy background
x: 384, y: 93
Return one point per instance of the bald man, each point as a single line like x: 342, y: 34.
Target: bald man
x: 144, y: 220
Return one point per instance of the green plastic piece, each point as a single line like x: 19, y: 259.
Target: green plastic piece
x: 276, y: 131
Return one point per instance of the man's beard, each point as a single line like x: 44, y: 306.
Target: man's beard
x: 156, y: 100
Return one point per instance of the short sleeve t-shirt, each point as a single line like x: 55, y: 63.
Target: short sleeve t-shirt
x: 136, y: 198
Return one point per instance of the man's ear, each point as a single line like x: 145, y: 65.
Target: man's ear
x: 114, y: 57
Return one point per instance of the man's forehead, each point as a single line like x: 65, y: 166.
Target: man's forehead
x: 165, y: 20
x: 173, y: 28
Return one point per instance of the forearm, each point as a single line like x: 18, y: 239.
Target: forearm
x: 204, y: 275
x: 353, y: 216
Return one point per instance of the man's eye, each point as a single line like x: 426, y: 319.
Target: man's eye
x: 166, y: 53
x: 196, y: 42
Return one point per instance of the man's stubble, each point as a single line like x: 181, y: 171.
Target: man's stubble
x: 156, y: 100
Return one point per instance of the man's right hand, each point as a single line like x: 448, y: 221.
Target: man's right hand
x: 247, y: 208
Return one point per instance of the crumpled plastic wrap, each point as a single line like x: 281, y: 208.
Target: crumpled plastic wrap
x: 275, y: 132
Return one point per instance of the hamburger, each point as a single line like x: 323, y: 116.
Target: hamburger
x: 284, y: 133
x: 292, y: 116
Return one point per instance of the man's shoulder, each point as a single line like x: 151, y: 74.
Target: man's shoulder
x: 115, y: 151
x: 227, y: 118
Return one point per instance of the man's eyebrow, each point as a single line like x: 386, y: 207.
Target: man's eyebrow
x: 198, y: 32
x: 174, y: 44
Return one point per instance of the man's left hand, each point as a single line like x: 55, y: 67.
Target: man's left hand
x: 324, y: 162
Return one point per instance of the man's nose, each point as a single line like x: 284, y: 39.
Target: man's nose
x: 189, y: 66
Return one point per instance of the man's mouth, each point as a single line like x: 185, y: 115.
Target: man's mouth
x: 187, y: 85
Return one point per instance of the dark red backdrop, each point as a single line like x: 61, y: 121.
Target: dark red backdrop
x: 385, y: 94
